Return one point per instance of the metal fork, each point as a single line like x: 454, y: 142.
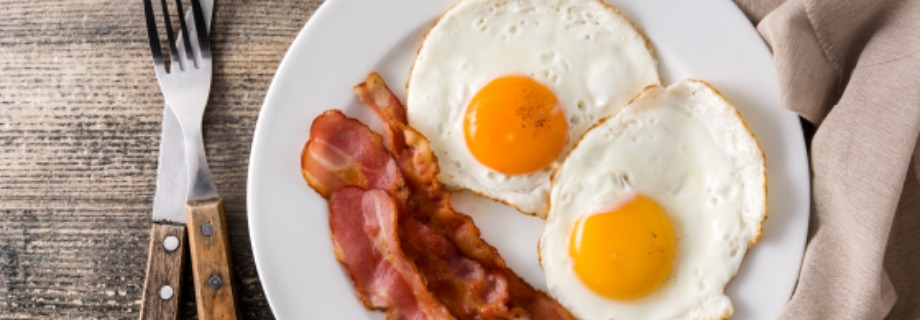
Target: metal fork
x: 186, y: 86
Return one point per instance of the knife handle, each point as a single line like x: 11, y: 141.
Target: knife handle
x: 210, y: 247
x: 165, y: 264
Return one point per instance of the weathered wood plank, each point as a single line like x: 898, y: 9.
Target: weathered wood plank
x: 79, y: 131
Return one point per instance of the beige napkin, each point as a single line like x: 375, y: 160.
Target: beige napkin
x: 852, y: 69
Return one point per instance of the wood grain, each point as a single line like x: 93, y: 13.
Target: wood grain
x: 209, y: 245
x: 165, y: 267
x: 79, y: 130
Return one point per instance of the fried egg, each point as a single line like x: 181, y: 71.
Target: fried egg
x: 653, y: 211
x: 503, y: 89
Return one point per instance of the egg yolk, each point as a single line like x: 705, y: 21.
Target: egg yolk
x: 626, y: 252
x: 515, y: 125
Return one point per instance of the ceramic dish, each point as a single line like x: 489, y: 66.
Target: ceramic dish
x: 347, y: 39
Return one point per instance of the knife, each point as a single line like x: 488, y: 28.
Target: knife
x: 168, y: 243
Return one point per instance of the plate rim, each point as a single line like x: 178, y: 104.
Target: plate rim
x: 283, y: 68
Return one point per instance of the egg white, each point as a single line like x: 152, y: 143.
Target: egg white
x: 585, y: 51
x: 686, y: 148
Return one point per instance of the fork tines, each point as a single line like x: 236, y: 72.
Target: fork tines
x: 192, y: 53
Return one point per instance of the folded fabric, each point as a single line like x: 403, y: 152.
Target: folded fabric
x: 851, y: 68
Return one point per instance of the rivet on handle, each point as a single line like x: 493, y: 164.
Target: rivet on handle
x: 171, y: 243
x: 215, y: 282
x: 166, y: 292
x: 207, y: 229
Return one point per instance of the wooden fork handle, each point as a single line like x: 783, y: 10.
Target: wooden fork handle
x: 209, y: 243
x: 165, y: 264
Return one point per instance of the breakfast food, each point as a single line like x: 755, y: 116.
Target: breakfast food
x: 652, y: 213
x: 397, y: 182
x: 364, y: 236
x: 504, y: 88
x: 652, y: 195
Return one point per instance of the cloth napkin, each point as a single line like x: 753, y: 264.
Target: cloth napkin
x: 851, y: 69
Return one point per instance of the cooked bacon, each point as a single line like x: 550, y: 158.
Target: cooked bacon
x: 344, y: 152
x: 365, y: 241
x: 374, y: 94
x: 463, y: 272
x: 468, y: 289
x: 429, y: 202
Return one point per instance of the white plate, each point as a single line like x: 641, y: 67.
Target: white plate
x: 347, y: 39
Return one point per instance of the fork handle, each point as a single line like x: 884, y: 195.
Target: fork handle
x: 165, y: 262
x: 211, y: 264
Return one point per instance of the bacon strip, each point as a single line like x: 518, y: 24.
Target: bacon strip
x: 365, y: 241
x: 344, y: 152
x: 374, y: 94
x: 429, y: 201
x: 465, y: 273
x: 468, y: 288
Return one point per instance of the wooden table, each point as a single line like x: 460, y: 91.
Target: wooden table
x: 80, y: 115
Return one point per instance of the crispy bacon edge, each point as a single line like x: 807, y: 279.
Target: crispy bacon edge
x: 375, y: 95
